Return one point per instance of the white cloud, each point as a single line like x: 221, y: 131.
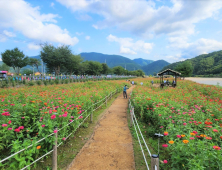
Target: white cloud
x: 28, y: 20
x: 200, y: 46
x: 128, y: 46
x: 87, y: 37
x: 142, y: 17
x: 52, y: 4
x: 9, y: 34
x: 33, y: 46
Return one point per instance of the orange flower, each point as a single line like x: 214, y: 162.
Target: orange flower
x: 203, y: 136
x: 183, y: 136
x: 171, y: 142
x: 185, y: 141
x: 193, y: 134
x: 45, y: 104
x: 38, y: 147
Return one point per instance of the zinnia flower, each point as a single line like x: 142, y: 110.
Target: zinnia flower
x: 64, y: 138
x: 53, y: 116
x: 171, y: 142
x: 43, y: 125
x: 9, y: 128
x: 183, y: 136
x: 38, y: 147
x: 55, y: 131
x: 191, y: 138
x: 9, y: 122
x: 216, y: 147
x: 193, y: 134
x: 185, y: 141
x: 165, y: 133
x: 165, y: 161
x: 178, y: 136
x: 215, y: 130
x: 4, y: 125
x: 165, y: 145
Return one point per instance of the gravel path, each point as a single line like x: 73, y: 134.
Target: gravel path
x: 110, y: 147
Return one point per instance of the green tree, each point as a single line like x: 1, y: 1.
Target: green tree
x: 56, y: 59
x: 4, y: 67
x: 105, y: 69
x: 34, y: 63
x: 82, y: 68
x: 15, y: 59
x: 73, y: 65
x: 94, y: 68
x: 118, y: 70
x: 185, y: 68
x: 26, y: 71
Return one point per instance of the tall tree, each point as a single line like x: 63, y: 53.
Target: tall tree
x: 94, y: 68
x: 118, y: 70
x: 55, y: 58
x: 4, y: 67
x: 73, y: 65
x: 105, y: 69
x: 34, y: 63
x: 185, y: 68
x: 15, y: 59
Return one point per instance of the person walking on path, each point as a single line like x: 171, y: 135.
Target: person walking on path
x: 132, y: 82
x: 124, y: 91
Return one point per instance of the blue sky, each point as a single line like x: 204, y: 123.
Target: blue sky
x: 156, y: 29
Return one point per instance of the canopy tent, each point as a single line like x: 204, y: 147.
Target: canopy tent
x: 168, y: 72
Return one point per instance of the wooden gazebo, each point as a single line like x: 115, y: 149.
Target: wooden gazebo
x: 168, y: 72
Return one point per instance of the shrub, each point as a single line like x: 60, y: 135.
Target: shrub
x: 31, y: 83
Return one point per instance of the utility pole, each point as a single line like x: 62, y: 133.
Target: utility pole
x: 125, y: 66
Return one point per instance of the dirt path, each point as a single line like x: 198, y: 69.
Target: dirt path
x: 110, y: 147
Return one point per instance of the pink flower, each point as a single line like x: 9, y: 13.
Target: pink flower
x: 216, y: 147
x: 9, y: 122
x: 4, y: 125
x: 165, y: 145
x: 43, y: 125
x: 23, y: 117
x: 53, y: 116
x: 17, y: 130
x: 64, y: 115
x: 55, y: 131
x: 60, y: 115
x: 21, y: 127
x: 215, y: 130
x: 161, y: 126
x: 178, y: 136
x: 9, y: 128
x: 192, y: 138
x: 165, y: 133
x: 80, y: 117
x: 170, y: 116
x: 72, y: 117
x: 184, y: 124
x: 64, y: 138
x: 195, y: 132
x: 70, y: 120
x: 165, y: 161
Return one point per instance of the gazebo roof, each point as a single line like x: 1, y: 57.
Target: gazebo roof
x: 167, y: 71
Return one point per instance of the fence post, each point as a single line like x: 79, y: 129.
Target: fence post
x: 155, y: 162
x: 91, y: 116
x: 54, y: 154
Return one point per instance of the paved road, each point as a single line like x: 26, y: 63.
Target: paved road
x: 209, y: 81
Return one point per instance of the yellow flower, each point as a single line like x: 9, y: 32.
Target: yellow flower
x: 171, y: 142
x: 185, y: 141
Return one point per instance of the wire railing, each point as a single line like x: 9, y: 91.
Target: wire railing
x: 109, y: 96
x: 154, y: 158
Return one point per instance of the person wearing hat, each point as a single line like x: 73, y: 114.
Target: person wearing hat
x: 124, y: 91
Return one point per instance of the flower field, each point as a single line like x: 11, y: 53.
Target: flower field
x: 32, y: 113
x: 190, y: 118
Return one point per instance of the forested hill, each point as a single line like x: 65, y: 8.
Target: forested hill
x: 111, y: 60
x: 204, y: 64
x: 154, y: 67
x: 142, y: 62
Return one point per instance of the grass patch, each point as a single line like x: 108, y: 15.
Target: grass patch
x: 72, y: 146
